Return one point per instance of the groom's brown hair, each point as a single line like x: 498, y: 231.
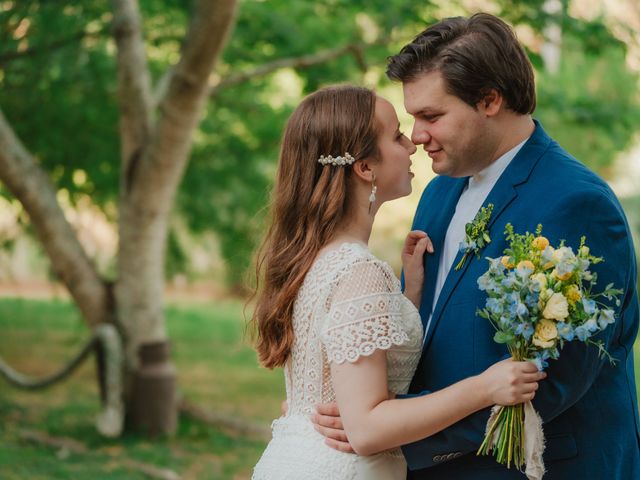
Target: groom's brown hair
x: 474, y: 55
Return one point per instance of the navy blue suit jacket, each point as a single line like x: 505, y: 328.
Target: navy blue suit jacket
x: 589, y: 407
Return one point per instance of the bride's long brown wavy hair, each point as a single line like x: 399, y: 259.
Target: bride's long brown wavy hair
x: 309, y: 203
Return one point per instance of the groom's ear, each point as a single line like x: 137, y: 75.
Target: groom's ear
x: 491, y: 102
x: 362, y: 169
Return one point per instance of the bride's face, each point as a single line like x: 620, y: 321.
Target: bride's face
x: 393, y: 173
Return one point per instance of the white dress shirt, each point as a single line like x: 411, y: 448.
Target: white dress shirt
x: 469, y: 203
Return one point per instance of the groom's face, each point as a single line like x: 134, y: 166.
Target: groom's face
x: 457, y: 137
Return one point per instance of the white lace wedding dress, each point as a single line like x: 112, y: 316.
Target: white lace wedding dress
x: 349, y: 305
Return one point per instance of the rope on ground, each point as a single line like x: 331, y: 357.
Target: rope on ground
x: 106, y: 340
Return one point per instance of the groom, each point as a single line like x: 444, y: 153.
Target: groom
x: 470, y: 88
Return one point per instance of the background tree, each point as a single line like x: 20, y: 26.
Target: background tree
x: 155, y: 143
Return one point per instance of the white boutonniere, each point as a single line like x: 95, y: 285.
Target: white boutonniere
x: 476, y: 235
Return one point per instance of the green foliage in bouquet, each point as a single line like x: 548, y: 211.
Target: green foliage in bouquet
x: 538, y: 298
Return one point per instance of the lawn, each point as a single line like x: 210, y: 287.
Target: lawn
x: 217, y: 370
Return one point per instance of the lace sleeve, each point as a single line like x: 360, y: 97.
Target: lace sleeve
x: 363, y: 313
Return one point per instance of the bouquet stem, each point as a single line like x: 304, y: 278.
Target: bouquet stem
x: 505, y: 436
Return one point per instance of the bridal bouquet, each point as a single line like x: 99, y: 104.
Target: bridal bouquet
x: 539, y: 298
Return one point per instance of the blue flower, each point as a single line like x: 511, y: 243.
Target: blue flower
x: 539, y: 361
x: 565, y: 330
x: 484, y: 281
x: 509, y: 280
x: 495, y: 266
x: 582, y: 333
x: 494, y: 306
x: 521, y: 310
x: 534, y: 287
x: 605, y: 318
x: 532, y: 299
x: 589, y: 306
x: 467, y: 245
x: 591, y: 325
x: 505, y: 322
x: 525, y: 329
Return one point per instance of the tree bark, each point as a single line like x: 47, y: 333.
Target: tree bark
x: 134, y: 86
x: 154, y: 157
x: 26, y: 180
x: 153, y: 180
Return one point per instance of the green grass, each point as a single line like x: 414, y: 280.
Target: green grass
x: 217, y: 369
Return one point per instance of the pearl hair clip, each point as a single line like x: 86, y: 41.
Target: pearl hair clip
x: 337, y: 161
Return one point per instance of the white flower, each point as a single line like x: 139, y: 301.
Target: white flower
x: 563, y: 254
x: 557, y: 307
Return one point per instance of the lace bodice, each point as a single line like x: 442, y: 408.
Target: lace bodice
x: 349, y: 305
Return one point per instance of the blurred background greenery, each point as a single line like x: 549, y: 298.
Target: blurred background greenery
x: 58, y: 89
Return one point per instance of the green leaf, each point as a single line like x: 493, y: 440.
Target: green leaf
x: 503, y: 337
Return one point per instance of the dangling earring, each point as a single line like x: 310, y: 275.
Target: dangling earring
x: 374, y: 189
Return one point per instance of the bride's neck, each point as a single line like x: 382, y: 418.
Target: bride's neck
x: 356, y: 227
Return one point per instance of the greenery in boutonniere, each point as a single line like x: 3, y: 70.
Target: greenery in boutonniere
x: 476, y: 234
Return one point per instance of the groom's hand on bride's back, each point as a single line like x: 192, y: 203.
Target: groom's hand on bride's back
x: 328, y: 423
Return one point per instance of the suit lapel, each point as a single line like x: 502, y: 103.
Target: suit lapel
x: 436, y: 227
x: 502, y: 194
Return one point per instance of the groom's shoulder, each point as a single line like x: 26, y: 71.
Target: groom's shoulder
x: 569, y: 185
x: 558, y: 167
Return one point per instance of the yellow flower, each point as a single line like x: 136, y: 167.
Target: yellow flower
x: 548, y: 265
x: 573, y: 294
x: 541, y: 279
x: 526, y: 264
x: 557, y: 307
x: 545, y: 334
x: 564, y: 276
x: 540, y: 243
x: 505, y: 261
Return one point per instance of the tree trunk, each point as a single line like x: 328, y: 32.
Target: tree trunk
x: 25, y: 179
x: 551, y: 51
x: 154, y: 164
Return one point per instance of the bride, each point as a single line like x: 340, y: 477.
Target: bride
x: 334, y: 316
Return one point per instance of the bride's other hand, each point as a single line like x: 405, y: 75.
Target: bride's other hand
x: 415, y: 245
x: 509, y: 382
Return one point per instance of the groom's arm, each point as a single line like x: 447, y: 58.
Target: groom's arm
x: 596, y: 215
